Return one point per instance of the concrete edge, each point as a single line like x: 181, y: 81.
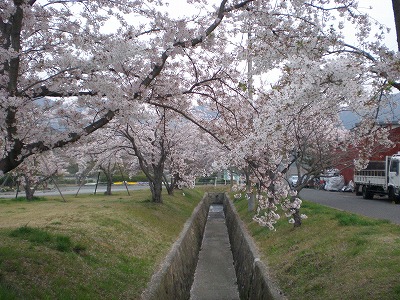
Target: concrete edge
x: 164, y: 282
x: 174, y: 276
x: 254, y: 281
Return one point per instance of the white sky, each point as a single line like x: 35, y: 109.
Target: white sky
x: 382, y: 11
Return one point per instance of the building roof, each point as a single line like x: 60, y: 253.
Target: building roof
x: 388, y: 114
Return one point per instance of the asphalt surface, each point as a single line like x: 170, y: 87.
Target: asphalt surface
x: 379, y: 207
x: 72, y: 190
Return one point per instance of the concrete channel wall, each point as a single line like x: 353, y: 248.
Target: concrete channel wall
x: 175, y: 276
x: 252, y: 275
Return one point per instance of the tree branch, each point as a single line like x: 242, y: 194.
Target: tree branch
x: 20, y: 151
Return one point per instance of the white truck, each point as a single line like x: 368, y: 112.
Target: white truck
x: 381, y: 178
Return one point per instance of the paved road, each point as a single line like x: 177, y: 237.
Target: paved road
x: 71, y: 190
x: 379, y: 207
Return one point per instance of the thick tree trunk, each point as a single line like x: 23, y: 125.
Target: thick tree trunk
x: 109, y: 183
x: 29, y: 190
x: 156, y: 184
x: 396, y: 11
x: 29, y: 194
x: 108, y: 173
x: 108, y: 190
x: 156, y: 189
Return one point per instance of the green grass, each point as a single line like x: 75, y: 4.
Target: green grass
x: 348, y: 219
x: 23, y: 199
x: 107, y: 247
x: 90, y: 247
x: 333, y: 255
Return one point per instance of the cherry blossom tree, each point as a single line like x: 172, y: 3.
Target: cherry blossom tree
x: 320, y: 74
x: 38, y: 57
x: 396, y: 11
x: 37, y: 170
x: 146, y: 140
x: 61, y: 49
x: 100, y: 153
x: 169, y: 149
x: 192, y: 153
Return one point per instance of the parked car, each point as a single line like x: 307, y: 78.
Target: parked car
x: 293, y: 180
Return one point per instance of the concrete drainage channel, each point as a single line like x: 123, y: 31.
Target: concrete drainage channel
x: 174, y: 279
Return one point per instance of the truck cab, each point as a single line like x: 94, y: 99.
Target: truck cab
x: 379, y: 178
x: 393, y: 180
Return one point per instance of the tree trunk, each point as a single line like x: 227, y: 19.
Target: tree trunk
x: 169, y: 185
x: 174, y: 181
x: 29, y: 190
x: 297, y: 218
x: 109, y: 183
x: 108, y: 190
x: 396, y: 11
x: 296, y: 215
x: 231, y: 183
x: 170, y: 189
x: 156, y: 189
x: 29, y: 194
x: 248, y: 183
x: 156, y: 184
x: 108, y: 173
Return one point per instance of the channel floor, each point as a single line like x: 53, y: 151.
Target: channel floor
x: 215, y: 277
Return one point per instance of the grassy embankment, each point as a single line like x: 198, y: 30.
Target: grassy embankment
x: 91, y: 247
x: 334, y: 255
x: 96, y: 247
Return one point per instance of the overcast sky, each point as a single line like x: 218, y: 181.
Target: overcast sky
x: 382, y: 11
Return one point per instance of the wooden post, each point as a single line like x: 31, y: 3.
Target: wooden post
x: 52, y: 178
x: 84, y: 175
x: 123, y: 180
x: 56, y: 185
x: 16, y: 195
x: 97, y: 182
x: 77, y: 192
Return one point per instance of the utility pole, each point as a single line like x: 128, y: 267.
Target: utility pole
x: 250, y: 194
x: 249, y: 66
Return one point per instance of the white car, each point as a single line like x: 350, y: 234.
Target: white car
x: 293, y: 180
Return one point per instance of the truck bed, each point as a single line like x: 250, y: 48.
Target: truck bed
x: 370, y: 177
